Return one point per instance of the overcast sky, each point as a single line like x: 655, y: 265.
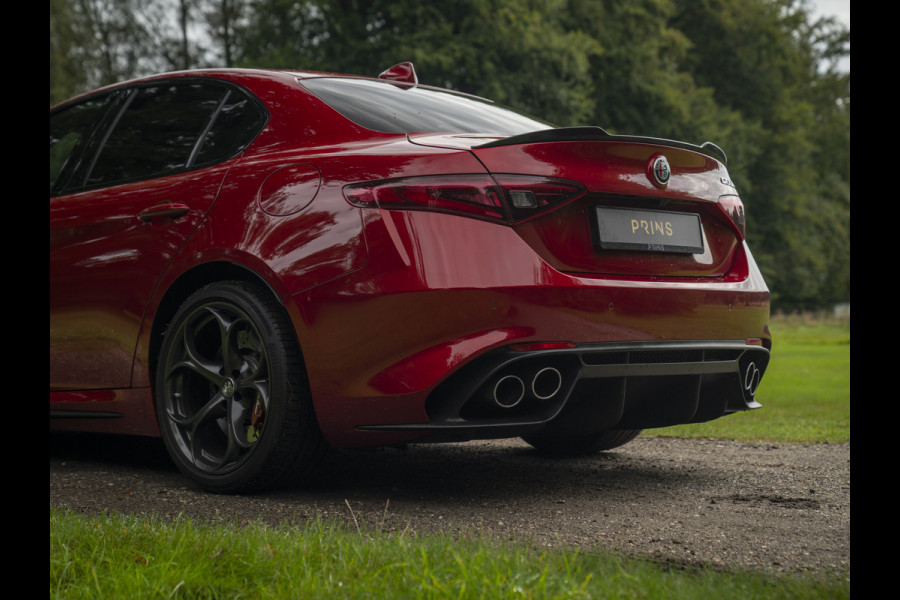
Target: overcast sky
x: 839, y: 9
x: 833, y: 8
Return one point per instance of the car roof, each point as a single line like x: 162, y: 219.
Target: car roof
x: 239, y: 75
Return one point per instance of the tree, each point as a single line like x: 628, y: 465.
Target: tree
x: 762, y: 60
x: 68, y: 41
x: 514, y: 52
x: 224, y: 20
x: 92, y: 43
x: 98, y: 42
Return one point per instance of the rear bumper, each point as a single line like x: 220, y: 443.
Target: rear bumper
x: 592, y: 388
x: 397, y: 350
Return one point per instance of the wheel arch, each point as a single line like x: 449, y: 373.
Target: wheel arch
x: 186, y: 284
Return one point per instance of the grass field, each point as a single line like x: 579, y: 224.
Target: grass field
x: 806, y: 398
x: 134, y: 558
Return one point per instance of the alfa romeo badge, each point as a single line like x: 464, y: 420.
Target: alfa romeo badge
x: 660, y: 171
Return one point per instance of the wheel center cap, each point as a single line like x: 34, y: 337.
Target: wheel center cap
x: 228, y: 388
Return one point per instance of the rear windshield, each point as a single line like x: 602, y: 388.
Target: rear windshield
x: 391, y: 108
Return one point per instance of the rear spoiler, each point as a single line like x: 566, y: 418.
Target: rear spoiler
x: 594, y: 134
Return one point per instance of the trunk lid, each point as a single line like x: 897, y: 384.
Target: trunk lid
x: 673, y: 222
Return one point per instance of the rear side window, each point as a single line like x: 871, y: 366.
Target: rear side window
x: 393, y: 108
x: 152, y: 131
x: 157, y: 132
x: 238, y: 121
x: 70, y: 128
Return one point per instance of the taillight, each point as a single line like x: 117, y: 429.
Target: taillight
x: 504, y: 198
x: 471, y: 195
x: 529, y: 197
x: 734, y: 209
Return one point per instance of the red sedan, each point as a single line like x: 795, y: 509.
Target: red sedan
x: 259, y: 265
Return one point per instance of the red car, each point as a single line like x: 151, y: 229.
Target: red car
x: 259, y: 265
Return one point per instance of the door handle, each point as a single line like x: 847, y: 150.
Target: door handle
x: 171, y: 210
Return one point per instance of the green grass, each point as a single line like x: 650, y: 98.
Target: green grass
x: 806, y: 398
x: 805, y: 392
x: 132, y: 557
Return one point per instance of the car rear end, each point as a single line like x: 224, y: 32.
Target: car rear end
x: 570, y: 281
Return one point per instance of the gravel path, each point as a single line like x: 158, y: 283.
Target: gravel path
x: 780, y: 508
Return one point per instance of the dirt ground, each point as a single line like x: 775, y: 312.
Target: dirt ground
x: 778, y: 508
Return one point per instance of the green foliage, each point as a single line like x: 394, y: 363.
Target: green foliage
x: 136, y: 557
x: 66, y: 40
x: 512, y: 52
x: 761, y: 59
x: 756, y: 77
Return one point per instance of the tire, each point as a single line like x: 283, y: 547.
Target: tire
x: 232, y: 397
x: 581, y: 445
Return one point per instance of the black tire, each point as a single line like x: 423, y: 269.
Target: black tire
x: 581, y: 445
x: 232, y: 397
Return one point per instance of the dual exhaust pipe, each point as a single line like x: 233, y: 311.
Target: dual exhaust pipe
x: 510, y: 390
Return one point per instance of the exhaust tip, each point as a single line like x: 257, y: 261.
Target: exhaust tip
x: 508, y: 391
x: 546, y: 383
x: 752, y: 376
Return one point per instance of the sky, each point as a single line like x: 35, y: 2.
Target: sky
x: 833, y: 8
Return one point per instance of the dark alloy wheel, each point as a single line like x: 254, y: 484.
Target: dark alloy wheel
x: 580, y: 445
x: 232, y: 398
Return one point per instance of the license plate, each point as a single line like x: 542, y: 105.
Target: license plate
x: 648, y: 230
